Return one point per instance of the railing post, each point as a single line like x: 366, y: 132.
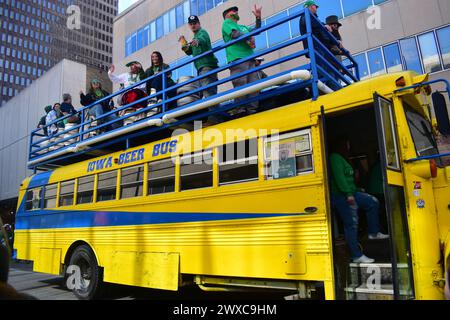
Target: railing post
x: 164, y: 95
x: 30, y: 147
x: 83, y: 119
x: 312, y: 55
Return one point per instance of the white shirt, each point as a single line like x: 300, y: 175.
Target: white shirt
x: 127, y: 79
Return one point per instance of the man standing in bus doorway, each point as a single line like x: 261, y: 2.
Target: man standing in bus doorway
x: 347, y: 199
x: 232, y: 30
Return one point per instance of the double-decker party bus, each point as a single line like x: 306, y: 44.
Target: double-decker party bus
x: 191, y: 191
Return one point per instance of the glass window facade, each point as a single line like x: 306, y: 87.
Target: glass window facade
x: 429, y: 52
x: 178, y: 16
x: 443, y: 36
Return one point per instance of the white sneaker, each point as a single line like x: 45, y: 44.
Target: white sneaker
x: 363, y: 259
x: 379, y: 236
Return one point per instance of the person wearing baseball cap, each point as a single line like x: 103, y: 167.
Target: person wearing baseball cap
x: 135, y: 75
x: 231, y: 30
x: 200, y: 44
x: 317, y: 29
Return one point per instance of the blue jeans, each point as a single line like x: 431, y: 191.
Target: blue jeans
x: 97, y: 111
x: 349, y: 216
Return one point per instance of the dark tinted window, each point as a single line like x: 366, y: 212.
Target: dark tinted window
x: 66, y: 193
x: 132, y: 182
x: 161, y: 177
x: 85, y: 192
x: 50, y: 196
x: 107, y: 184
x: 196, y: 171
x: 238, y: 162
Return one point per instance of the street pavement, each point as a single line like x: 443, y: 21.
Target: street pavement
x: 49, y: 287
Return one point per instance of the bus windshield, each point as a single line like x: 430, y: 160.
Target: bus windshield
x: 422, y: 133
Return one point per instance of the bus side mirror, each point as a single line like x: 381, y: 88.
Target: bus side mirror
x: 441, y: 112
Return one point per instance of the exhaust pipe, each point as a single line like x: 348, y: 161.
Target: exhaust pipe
x: 293, y: 75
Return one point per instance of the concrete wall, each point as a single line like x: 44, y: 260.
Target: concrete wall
x: 20, y: 115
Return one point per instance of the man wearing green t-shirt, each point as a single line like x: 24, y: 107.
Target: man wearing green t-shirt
x: 232, y: 30
x: 199, y: 45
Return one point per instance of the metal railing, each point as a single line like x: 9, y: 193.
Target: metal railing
x: 323, y: 66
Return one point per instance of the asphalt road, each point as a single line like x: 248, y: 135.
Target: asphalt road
x: 49, y: 287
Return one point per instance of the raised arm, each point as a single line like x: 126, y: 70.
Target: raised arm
x: 121, y: 78
x: 257, y: 11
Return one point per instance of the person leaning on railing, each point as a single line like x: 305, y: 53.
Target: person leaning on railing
x: 199, y: 45
x: 67, y: 109
x: 52, y: 116
x: 133, y: 76
x: 232, y: 30
x: 94, y: 94
x: 317, y: 30
x: 42, y: 121
x: 156, y: 84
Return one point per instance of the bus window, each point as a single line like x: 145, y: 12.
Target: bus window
x: 85, y: 192
x: 50, y: 196
x: 422, y: 133
x: 161, y: 177
x: 107, y: 186
x: 196, y: 171
x: 389, y: 135
x: 132, y: 182
x: 66, y: 193
x: 238, y: 162
x: 33, y: 201
x: 288, y: 155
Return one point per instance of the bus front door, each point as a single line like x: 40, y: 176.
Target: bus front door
x: 394, y: 194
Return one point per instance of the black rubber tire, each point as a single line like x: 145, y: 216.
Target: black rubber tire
x: 84, y: 258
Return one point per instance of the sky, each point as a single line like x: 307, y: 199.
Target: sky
x: 124, y: 4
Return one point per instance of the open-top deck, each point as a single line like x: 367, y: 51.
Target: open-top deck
x: 162, y: 112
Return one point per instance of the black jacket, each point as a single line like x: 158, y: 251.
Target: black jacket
x: 150, y: 72
x: 90, y: 98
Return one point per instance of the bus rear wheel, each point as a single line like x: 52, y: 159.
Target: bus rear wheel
x: 88, y: 282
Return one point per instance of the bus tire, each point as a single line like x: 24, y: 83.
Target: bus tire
x: 91, y: 283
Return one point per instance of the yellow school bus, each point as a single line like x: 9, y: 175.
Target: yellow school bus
x: 178, y: 211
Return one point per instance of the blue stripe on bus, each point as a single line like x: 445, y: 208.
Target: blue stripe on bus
x: 86, y: 219
x: 40, y: 180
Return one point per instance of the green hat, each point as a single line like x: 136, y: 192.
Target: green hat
x: 95, y: 81
x: 48, y: 109
x: 129, y: 64
x: 310, y: 3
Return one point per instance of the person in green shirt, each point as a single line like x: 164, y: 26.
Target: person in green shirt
x: 199, y: 45
x: 232, y: 30
x: 347, y: 199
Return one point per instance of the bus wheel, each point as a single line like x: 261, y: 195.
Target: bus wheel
x: 89, y: 283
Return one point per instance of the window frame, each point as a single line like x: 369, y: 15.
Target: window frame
x: 192, y: 155
x: 284, y: 136
x: 148, y: 177
x: 55, y: 197
x: 245, y: 162
x: 98, y: 189
x: 31, y: 201
x: 94, y: 176
x: 61, y: 196
x: 128, y: 184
